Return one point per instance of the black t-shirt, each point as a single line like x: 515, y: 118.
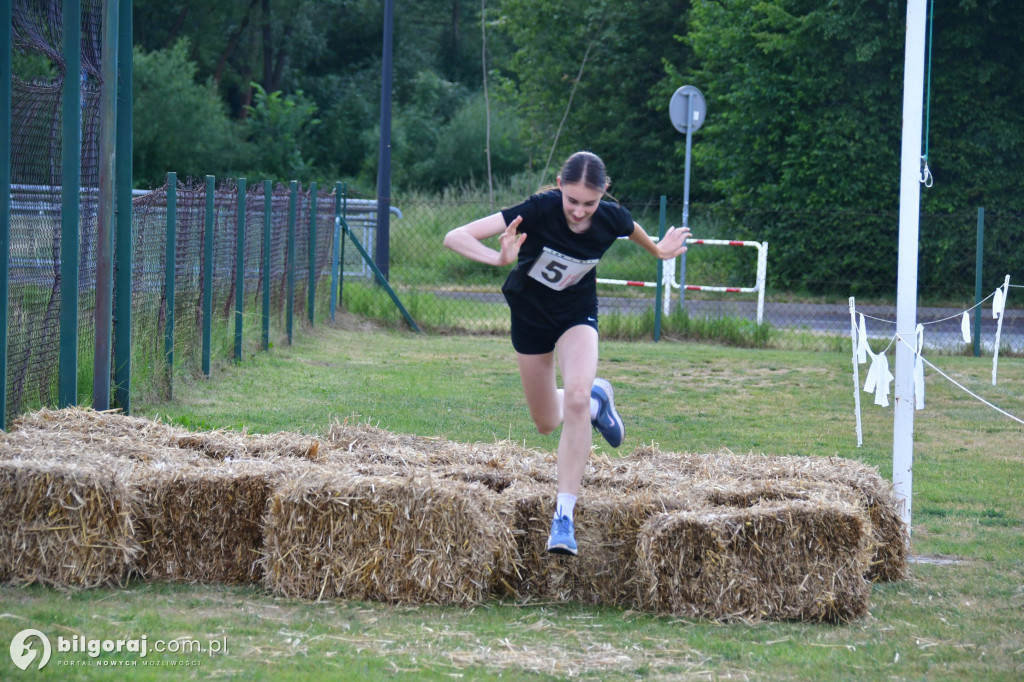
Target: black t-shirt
x: 554, y: 278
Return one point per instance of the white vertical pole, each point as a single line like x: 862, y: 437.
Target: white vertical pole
x: 762, y: 271
x: 906, y: 288
x: 856, y: 372
x: 668, y: 276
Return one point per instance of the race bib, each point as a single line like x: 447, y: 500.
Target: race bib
x: 558, y: 271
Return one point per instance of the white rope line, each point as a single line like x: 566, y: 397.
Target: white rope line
x: 945, y: 319
x: 876, y: 319
x: 976, y: 305
x: 959, y: 385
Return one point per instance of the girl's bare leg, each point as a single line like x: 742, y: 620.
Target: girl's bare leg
x: 577, y: 359
x: 569, y: 406
x: 543, y: 397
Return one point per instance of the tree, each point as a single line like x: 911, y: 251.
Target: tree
x: 279, y: 128
x: 805, y: 118
x: 617, y: 109
x: 179, y: 124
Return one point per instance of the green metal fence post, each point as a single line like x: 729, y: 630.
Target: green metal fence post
x: 659, y: 293
x: 380, y: 277
x: 71, y: 181
x: 240, y: 269
x: 334, y: 248
x: 268, y: 208
x: 293, y: 189
x: 5, y: 196
x: 342, y: 214
x: 106, y: 212
x: 211, y: 189
x: 123, y: 231
x: 169, y: 269
x: 978, y: 265
x: 311, y: 285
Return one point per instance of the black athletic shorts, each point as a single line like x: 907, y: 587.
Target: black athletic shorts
x: 531, y: 337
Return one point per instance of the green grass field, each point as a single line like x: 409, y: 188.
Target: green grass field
x: 959, y: 616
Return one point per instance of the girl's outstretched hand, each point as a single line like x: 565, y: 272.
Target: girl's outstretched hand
x: 510, y: 242
x: 673, y: 243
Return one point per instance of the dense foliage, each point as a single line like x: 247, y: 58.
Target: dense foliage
x: 804, y: 104
x: 805, y: 98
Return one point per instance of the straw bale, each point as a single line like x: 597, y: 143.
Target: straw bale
x: 493, y: 478
x: 607, y: 527
x: 370, y: 450
x: 111, y: 425
x: 498, y: 465
x: 204, y: 523
x: 891, y: 544
x: 392, y: 539
x: 90, y: 425
x: 365, y: 443
x: 64, y: 524
x: 367, y: 514
x: 71, y: 446
x: 795, y: 559
x: 222, y: 444
x: 627, y: 475
x: 195, y: 518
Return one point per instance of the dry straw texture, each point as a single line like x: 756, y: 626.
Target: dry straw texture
x: 90, y: 498
x: 608, y: 524
x: 64, y: 525
x: 778, y: 550
x: 203, y: 524
x: 192, y: 514
x: 890, y: 543
x: 391, y: 539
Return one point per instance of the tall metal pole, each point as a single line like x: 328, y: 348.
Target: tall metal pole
x: 5, y: 195
x: 240, y: 270
x: 686, y: 174
x: 123, y: 231
x: 71, y: 181
x: 293, y: 189
x: 383, y: 249
x: 335, y: 249
x: 979, y: 263
x: 311, y: 286
x: 209, y: 215
x: 268, y: 209
x: 105, y: 211
x: 686, y: 197
x: 906, y: 288
x: 170, y: 273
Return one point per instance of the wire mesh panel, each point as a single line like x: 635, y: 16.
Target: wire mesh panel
x: 816, y: 261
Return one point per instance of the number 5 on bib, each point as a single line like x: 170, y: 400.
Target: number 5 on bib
x: 557, y: 271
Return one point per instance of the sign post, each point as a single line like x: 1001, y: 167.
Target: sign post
x: 687, y: 110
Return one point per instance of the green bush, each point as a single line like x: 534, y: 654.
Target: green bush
x: 178, y: 124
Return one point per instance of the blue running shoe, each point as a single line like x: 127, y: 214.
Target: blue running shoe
x: 563, y: 537
x: 608, y: 421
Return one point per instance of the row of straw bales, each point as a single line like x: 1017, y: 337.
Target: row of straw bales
x: 97, y: 498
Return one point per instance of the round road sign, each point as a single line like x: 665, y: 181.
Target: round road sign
x: 677, y: 109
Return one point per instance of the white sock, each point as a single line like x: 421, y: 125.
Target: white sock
x: 594, y: 407
x: 565, y: 506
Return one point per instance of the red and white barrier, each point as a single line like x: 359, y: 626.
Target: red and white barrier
x: 668, y: 275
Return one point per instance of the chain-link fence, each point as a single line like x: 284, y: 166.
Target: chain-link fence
x: 274, y: 253
x: 442, y: 291
x: 816, y: 262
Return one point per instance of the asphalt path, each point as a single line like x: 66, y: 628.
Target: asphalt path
x: 942, y: 326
